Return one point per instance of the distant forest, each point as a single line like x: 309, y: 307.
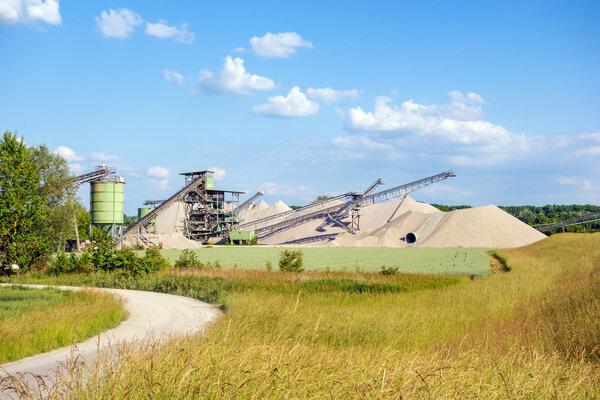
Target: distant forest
x: 533, y: 215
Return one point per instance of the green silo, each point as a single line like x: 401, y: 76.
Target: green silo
x: 142, y: 212
x: 106, y: 202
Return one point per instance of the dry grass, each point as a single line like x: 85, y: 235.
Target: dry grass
x: 58, y: 319
x: 529, y: 333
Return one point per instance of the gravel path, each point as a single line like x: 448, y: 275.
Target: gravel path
x: 158, y: 313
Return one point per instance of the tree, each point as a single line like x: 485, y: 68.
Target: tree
x: 58, y: 187
x: 22, y: 207
x: 321, y: 198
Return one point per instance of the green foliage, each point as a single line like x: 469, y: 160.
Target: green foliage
x: 548, y: 214
x: 445, y: 208
x: 269, y: 266
x: 389, y: 270
x: 22, y: 207
x: 506, y: 267
x: 291, y: 261
x: 188, y: 259
x: 153, y: 261
x: 57, y: 187
x: 322, y: 197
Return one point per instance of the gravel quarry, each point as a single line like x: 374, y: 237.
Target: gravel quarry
x: 403, y: 222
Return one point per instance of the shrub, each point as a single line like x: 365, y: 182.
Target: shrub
x: 291, y: 261
x: 188, y: 259
x: 153, y: 261
x: 126, y: 259
x: 389, y: 270
x: 60, y: 263
x: 269, y: 266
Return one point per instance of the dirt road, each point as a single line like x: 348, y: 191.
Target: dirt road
x: 158, y: 313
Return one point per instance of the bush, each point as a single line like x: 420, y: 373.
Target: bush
x: 153, y: 261
x: 269, y: 266
x: 188, y: 259
x: 60, y: 263
x: 387, y: 271
x: 291, y: 261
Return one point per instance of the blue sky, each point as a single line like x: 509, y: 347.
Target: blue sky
x: 306, y: 98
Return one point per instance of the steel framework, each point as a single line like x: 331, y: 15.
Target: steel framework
x: 582, y: 219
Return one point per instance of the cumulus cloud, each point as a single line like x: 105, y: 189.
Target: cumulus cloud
x: 68, y: 154
x: 295, y: 104
x: 457, y: 122
x: 157, y: 172
x: 30, y: 11
x: 118, y: 24
x: 233, y: 78
x: 330, y: 95
x: 219, y: 173
x: 158, y: 175
x: 280, y: 45
x: 173, y: 77
x: 162, y: 30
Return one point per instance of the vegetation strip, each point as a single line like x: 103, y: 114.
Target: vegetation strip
x: 486, y: 338
x: 34, y: 321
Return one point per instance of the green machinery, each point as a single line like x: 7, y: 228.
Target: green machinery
x: 238, y: 236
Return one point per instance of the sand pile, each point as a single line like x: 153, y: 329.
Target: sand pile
x: 486, y: 226
x: 262, y: 210
x: 387, y: 224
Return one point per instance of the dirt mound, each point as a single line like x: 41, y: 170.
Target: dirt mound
x: 486, y: 226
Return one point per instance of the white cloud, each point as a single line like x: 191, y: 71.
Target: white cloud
x: 219, y: 173
x: 584, y: 184
x: 233, y: 78
x: 239, y: 50
x: 68, y: 154
x: 173, y: 77
x: 330, y: 95
x: 456, y: 122
x: 158, y: 172
x: 281, y: 45
x: 162, y: 30
x: 295, y: 104
x: 76, y: 168
x: 118, y: 24
x: 30, y: 11
x: 100, y: 156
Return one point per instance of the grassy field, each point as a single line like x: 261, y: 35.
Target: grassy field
x: 420, y: 260
x: 529, y: 333
x: 38, y: 320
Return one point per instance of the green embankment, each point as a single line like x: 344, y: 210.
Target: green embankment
x: 34, y: 321
x: 455, y: 261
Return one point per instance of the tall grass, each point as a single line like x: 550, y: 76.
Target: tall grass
x: 528, y: 333
x: 35, y: 321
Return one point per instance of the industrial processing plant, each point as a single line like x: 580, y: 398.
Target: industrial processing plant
x: 200, y: 214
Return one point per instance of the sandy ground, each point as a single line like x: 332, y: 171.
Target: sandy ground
x: 152, y: 313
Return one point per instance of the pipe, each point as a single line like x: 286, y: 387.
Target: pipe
x: 411, y: 237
